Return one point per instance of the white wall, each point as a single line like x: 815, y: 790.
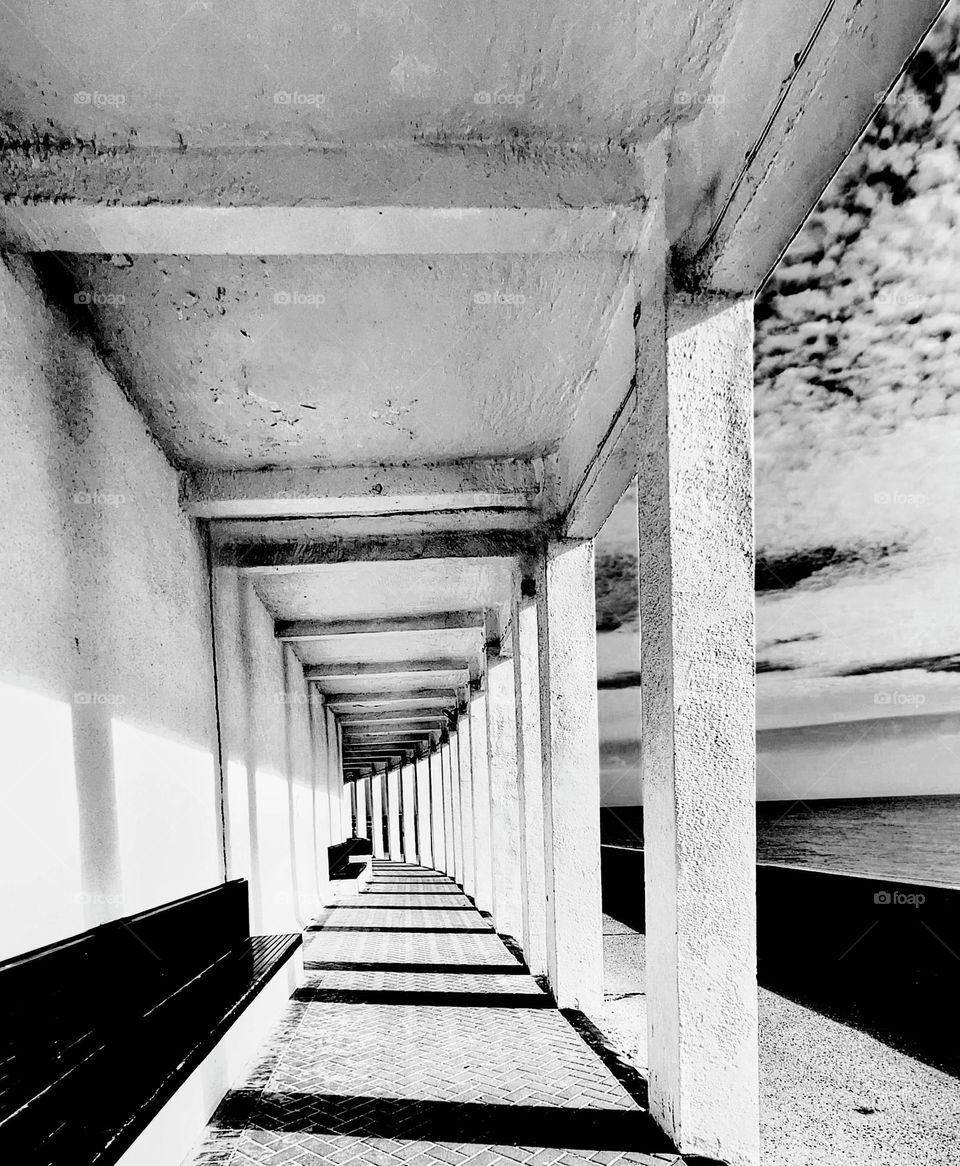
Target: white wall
x: 274, y: 790
x: 108, y: 774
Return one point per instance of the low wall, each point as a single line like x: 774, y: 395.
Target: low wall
x: 878, y: 955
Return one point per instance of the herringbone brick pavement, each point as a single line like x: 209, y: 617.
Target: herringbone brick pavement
x: 418, y: 1039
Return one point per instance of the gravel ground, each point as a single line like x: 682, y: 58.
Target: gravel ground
x: 829, y: 1095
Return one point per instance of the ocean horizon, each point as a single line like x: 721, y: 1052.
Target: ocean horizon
x: 895, y: 837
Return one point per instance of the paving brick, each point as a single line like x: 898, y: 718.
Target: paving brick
x: 428, y: 1067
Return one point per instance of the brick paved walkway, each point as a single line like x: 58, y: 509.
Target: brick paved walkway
x: 418, y: 1039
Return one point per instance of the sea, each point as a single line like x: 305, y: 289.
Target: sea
x: 905, y: 838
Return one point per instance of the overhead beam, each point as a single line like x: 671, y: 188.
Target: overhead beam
x: 503, y: 484
x: 422, y: 698
x: 553, y: 174
x: 315, y: 629
x: 272, y: 545
x: 326, y: 230
x: 760, y: 197
x: 442, y: 665
x: 411, y: 719
x: 599, y: 466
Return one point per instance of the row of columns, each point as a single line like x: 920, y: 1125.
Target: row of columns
x: 509, y: 803
x: 517, y: 828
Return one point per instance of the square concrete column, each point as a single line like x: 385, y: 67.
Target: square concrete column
x: 456, y: 808
x: 378, y: 784
x: 526, y: 669
x: 504, y: 796
x: 464, y: 731
x: 346, y: 818
x: 446, y: 761
x: 697, y: 732
x: 483, y: 869
x: 360, y: 789
x: 334, y: 781
x: 408, y: 793
x: 436, y: 810
x: 394, y: 845
x: 570, y: 755
x: 424, y: 815
x: 321, y: 800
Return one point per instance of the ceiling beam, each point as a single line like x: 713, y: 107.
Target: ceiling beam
x: 369, y: 491
x: 320, y: 230
x: 552, y: 174
x: 442, y: 665
x: 760, y: 195
x: 421, y: 698
x: 272, y: 545
x: 317, y: 629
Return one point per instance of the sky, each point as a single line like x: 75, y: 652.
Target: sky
x: 857, y: 431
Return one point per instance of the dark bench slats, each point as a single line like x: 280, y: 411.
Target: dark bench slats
x: 112, y: 1022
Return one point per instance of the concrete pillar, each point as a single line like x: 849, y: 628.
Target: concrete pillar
x: 504, y: 796
x: 570, y: 757
x: 446, y: 763
x: 321, y: 800
x: 363, y: 826
x: 436, y: 810
x: 697, y: 730
x: 394, y: 847
x: 346, y: 818
x: 424, y: 815
x: 377, y: 785
x: 483, y: 870
x: 408, y: 792
x: 526, y: 669
x: 334, y: 783
x: 456, y: 810
x: 464, y: 731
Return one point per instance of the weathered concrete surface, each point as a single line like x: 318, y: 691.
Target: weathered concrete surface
x: 464, y: 744
x: 504, y: 797
x: 377, y: 784
x: 424, y: 829
x: 456, y: 806
x: 107, y: 707
x: 696, y: 619
x: 480, y: 810
x: 257, y: 362
x: 394, y: 840
x: 571, y: 773
x: 408, y: 792
x: 526, y: 664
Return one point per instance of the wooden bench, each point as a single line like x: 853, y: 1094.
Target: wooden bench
x: 349, y: 859
x: 101, y: 1029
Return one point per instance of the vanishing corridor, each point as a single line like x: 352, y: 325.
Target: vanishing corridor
x: 419, y: 1038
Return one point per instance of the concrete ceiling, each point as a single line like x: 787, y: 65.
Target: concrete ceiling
x: 380, y: 273
x: 370, y: 590
x: 249, y: 362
